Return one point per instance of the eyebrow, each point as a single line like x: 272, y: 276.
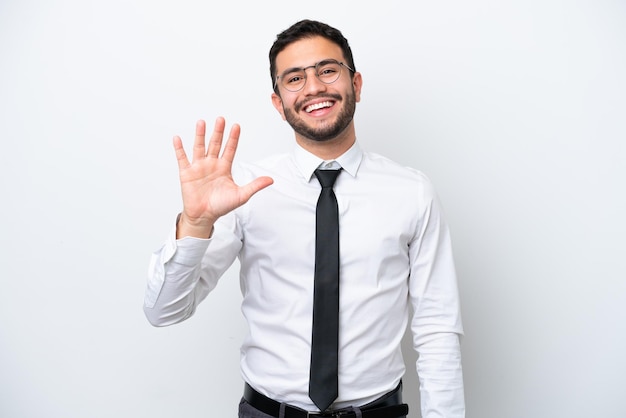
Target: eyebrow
x: 294, y: 69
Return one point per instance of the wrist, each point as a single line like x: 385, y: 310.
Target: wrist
x: 197, y: 228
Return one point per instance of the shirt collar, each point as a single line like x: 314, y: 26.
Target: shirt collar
x: 307, y: 163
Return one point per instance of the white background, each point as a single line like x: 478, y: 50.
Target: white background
x: 516, y: 110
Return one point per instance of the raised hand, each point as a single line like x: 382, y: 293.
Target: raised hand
x: 206, y: 182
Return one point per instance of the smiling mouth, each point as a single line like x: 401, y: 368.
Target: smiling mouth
x: 318, y: 106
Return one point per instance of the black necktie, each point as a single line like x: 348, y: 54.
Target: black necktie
x: 323, y: 383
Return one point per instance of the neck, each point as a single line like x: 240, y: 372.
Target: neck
x: 329, y: 149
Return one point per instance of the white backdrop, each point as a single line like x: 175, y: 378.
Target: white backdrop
x: 516, y: 110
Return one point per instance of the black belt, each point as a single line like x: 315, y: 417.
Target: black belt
x: 388, y: 406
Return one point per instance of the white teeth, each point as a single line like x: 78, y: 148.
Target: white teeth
x: 317, y: 106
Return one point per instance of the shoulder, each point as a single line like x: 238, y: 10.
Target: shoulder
x: 394, y: 174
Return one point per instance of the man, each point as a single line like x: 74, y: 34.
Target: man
x: 393, y: 244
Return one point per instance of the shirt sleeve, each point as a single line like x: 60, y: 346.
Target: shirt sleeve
x: 436, y: 322
x: 183, y: 272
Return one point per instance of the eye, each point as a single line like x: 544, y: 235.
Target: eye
x: 293, y: 78
x: 328, y: 70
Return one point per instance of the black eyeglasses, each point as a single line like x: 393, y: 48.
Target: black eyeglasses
x: 327, y: 71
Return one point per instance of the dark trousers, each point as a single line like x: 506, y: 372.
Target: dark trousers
x: 247, y: 411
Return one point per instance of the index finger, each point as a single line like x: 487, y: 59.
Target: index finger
x: 231, y: 145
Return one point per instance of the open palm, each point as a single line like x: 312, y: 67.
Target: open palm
x: 207, y: 185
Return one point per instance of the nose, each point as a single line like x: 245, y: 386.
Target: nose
x: 313, y: 84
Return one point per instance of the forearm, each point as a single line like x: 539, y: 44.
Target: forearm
x: 441, y: 377
x: 183, y: 272
x: 175, y: 286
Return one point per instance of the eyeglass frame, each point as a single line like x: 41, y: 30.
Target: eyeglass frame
x: 303, y: 69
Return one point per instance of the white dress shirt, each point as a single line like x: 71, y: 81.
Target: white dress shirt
x: 395, y: 251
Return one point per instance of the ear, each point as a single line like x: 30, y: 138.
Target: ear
x: 278, y: 104
x: 357, y: 83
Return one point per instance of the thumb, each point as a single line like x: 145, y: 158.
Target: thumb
x: 254, y: 186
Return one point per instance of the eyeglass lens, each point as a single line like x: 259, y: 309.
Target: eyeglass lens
x: 326, y: 71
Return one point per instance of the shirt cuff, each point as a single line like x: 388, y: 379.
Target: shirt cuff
x: 189, y: 251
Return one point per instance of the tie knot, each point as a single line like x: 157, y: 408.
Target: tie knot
x: 327, y: 177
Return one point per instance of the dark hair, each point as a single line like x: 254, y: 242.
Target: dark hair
x: 308, y: 29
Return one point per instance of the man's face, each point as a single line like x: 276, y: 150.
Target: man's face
x: 318, y: 112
